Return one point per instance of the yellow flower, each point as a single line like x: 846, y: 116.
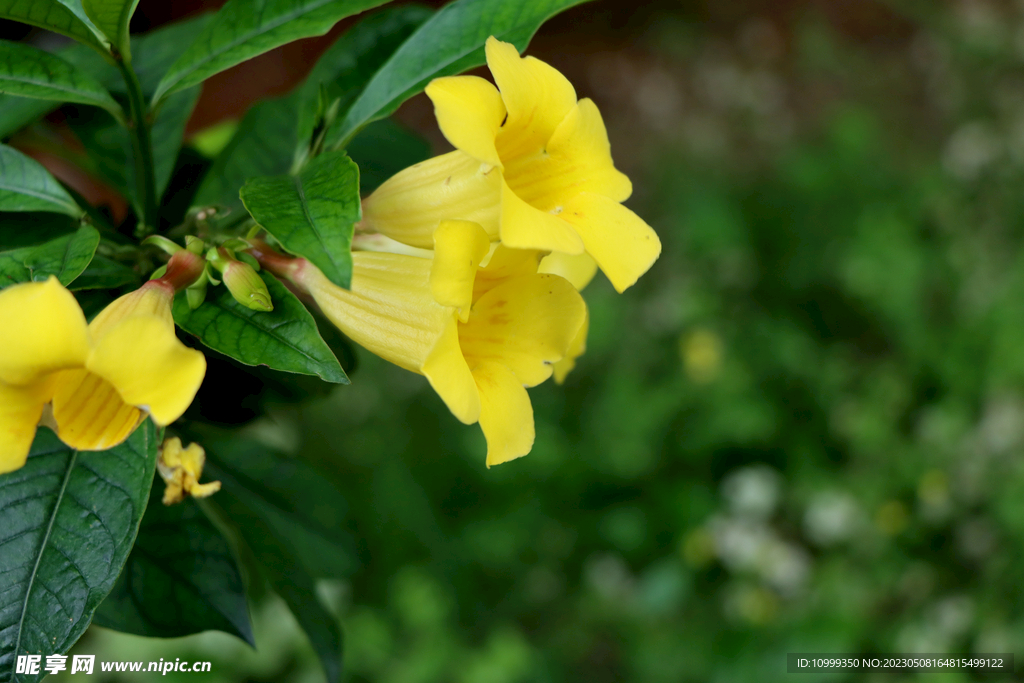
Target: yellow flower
x: 100, y: 379
x: 532, y: 165
x: 579, y: 270
x: 180, y: 468
x: 479, y: 335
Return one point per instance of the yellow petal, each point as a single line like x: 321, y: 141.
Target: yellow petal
x: 389, y: 309
x: 154, y: 298
x: 20, y: 410
x: 577, y: 159
x: 525, y: 227
x: 506, y: 415
x: 90, y: 414
x: 143, y: 359
x: 536, y: 96
x: 623, y: 245
x: 469, y: 112
x: 459, y: 246
x: 525, y: 324
x: 449, y: 375
x: 578, y: 269
x: 43, y: 330
x: 410, y: 205
x: 505, y: 263
x: 576, y: 349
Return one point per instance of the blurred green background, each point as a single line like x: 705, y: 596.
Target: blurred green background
x: 801, y: 431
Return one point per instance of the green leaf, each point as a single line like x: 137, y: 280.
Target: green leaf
x: 291, y: 581
x: 180, y: 578
x: 26, y: 186
x: 28, y: 228
x: 18, y: 112
x: 65, y: 257
x: 382, y: 149
x: 289, y: 515
x: 52, y: 16
x: 347, y: 66
x: 111, y: 17
x: 297, y: 501
x: 168, y: 132
x: 450, y: 42
x: 264, y: 144
x: 153, y: 53
x: 313, y: 213
x: 243, y: 29
x: 284, y: 339
x: 30, y: 72
x: 67, y: 523
x: 104, y: 273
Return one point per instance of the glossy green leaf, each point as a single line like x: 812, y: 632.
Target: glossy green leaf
x: 26, y: 186
x: 264, y: 144
x: 52, y: 16
x: 289, y: 516
x: 450, y: 42
x: 67, y: 523
x: 153, y: 53
x: 347, y: 66
x: 382, y: 149
x: 104, y: 273
x: 313, y: 213
x: 180, y: 578
x: 284, y: 339
x: 111, y: 17
x: 243, y: 29
x: 30, y: 72
x: 64, y: 257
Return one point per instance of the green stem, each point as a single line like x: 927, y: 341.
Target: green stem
x: 142, y: 145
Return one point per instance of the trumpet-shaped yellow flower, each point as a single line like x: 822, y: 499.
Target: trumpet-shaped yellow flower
x: 532, y: 165
x: 100, y: 379
x: 479, y: 335
x: 181, y: 468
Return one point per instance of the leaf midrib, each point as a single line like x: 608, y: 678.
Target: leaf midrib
x: 42, y: 547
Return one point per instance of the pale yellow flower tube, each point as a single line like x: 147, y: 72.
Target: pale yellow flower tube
x: 518, y: 323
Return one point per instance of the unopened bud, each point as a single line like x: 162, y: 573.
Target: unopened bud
x: 242, y: 280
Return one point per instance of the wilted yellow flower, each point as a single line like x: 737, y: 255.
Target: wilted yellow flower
x: 495, y: 331
x: 101, y: 378
x: 532, y: 165
x: 181, y: 468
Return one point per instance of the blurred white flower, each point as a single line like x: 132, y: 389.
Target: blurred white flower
x: 752, y: 491
x: 832, y: 517
x: 971, y: 148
